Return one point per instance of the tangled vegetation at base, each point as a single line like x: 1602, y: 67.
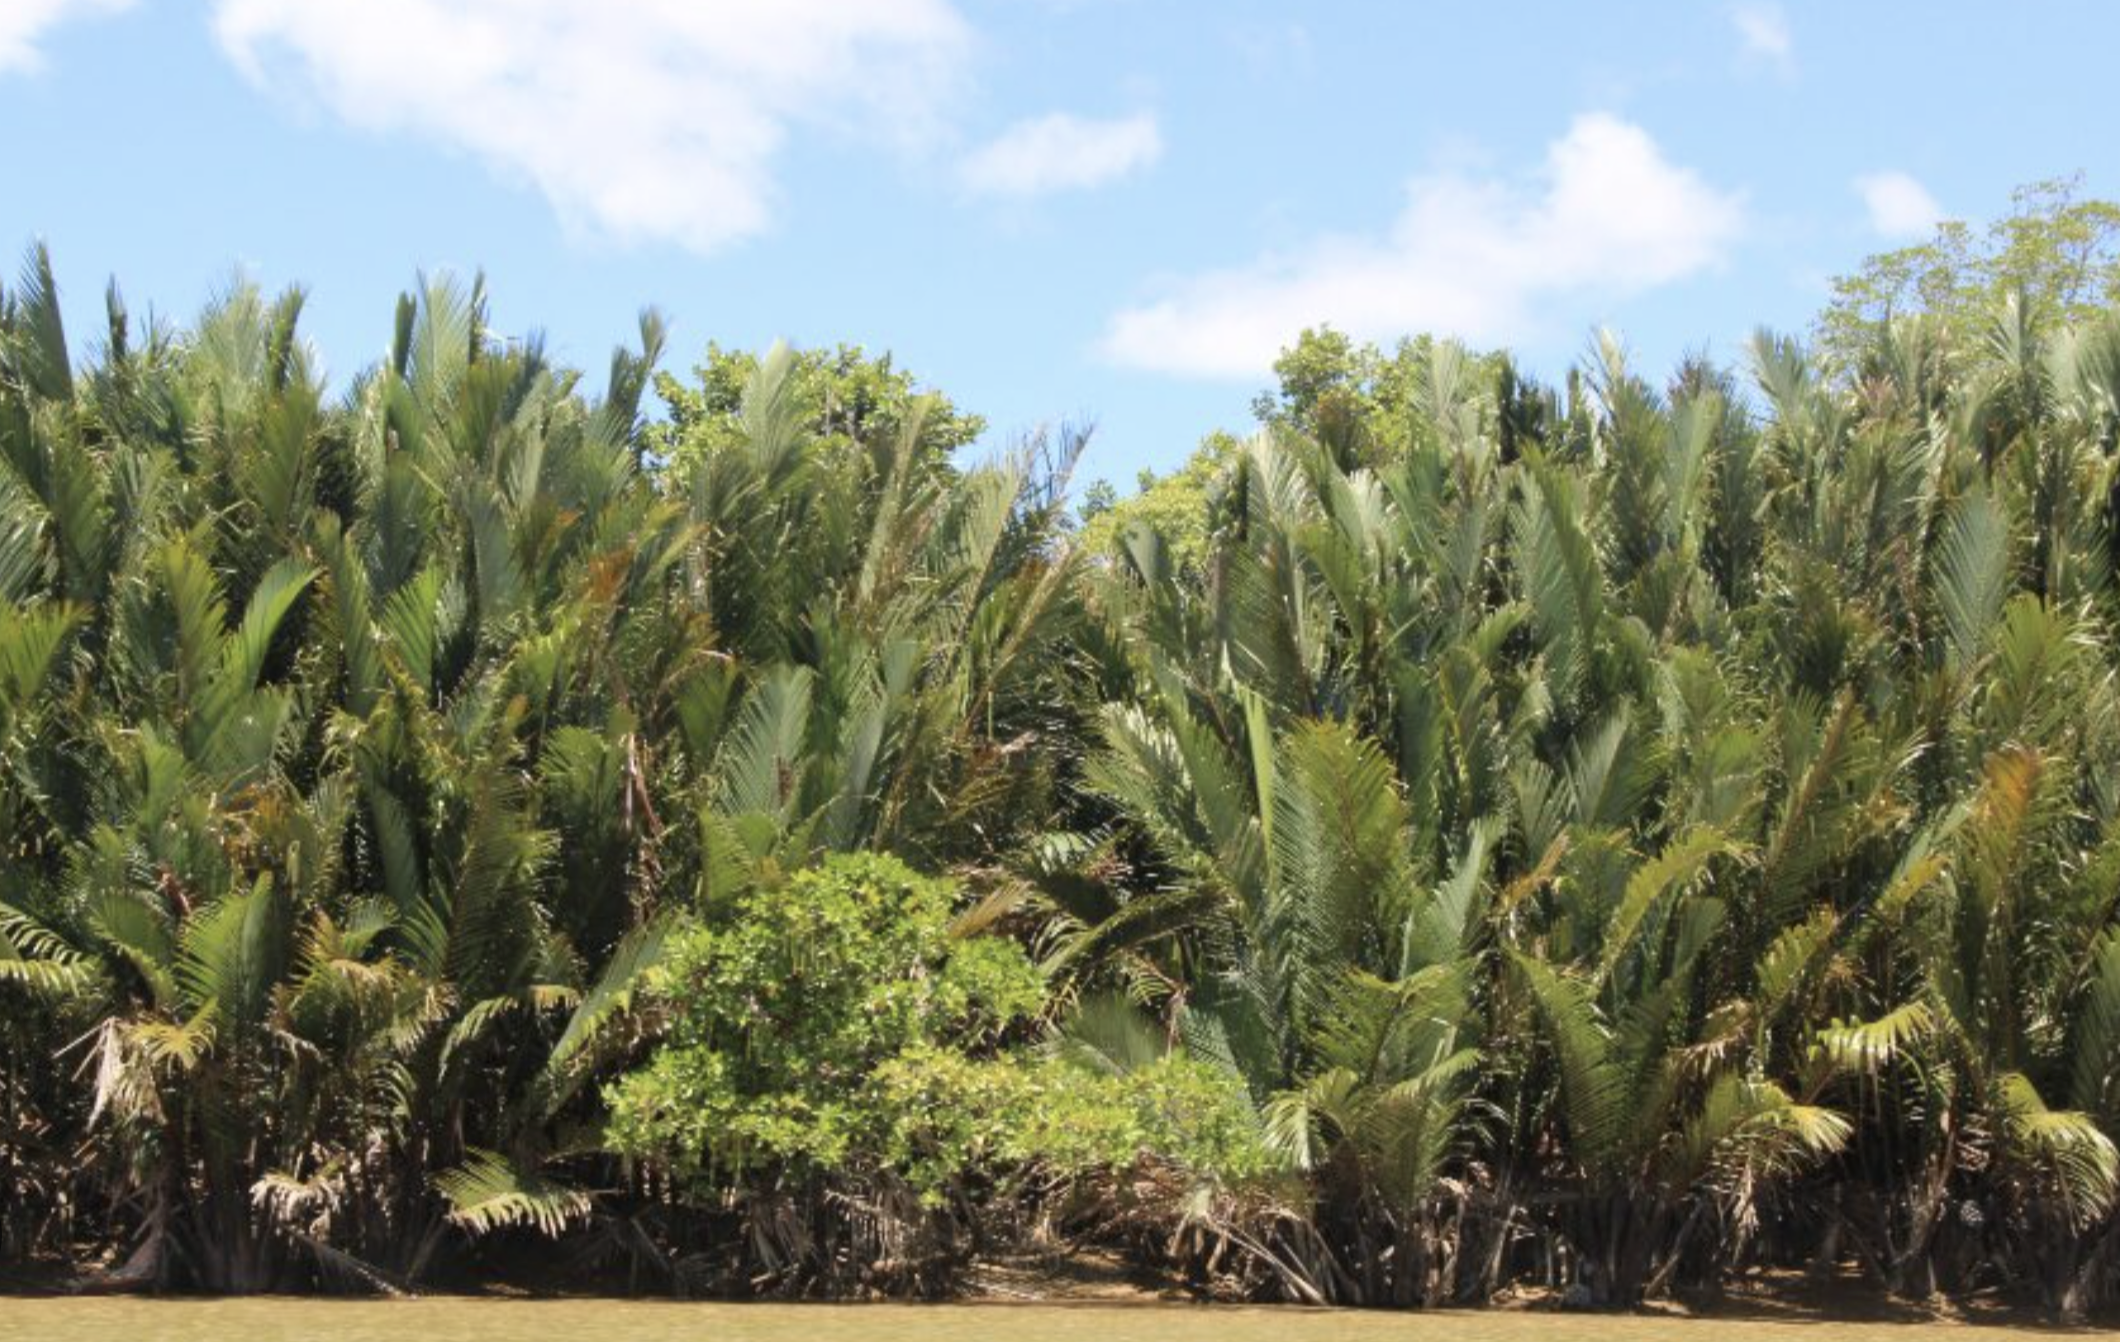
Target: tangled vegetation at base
x: 1617, y: 838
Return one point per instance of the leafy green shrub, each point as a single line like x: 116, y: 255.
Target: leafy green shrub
x: 950, y: 1114
x: 836, y: 1026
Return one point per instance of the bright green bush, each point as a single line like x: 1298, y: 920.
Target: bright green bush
x: 836, y: 1025
x: 951, y: 1114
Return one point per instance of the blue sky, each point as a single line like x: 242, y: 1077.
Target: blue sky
x: 1111, y: 210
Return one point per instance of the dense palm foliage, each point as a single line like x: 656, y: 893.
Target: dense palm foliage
x: 1615, y: 840
x: 1649, y: 835
x: 358, y: 757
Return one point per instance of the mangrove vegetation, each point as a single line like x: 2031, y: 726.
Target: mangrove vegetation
x: 1616, y: 838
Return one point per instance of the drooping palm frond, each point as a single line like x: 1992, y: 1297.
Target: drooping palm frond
x: 1681, y: 862
x: 1867, y: 1047
x: 488, y: 1192
x: 1747, y: 1132
x: 2078, y: 1158
x: 35, y: 957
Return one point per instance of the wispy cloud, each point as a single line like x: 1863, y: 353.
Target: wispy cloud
x: 1062, y: 153
x: 657, y: 120
x: 1899, y: 206
x: 23, y: 24
x: 1274, y: 49
x: 1605, y: 216
x: 1763, y: 27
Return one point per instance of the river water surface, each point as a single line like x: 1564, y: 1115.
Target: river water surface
x: 485, y: 1320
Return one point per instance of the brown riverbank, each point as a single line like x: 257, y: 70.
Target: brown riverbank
x: 461, y: 1319
x: 38, y: 1297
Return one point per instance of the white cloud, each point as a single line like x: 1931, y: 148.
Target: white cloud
x: 1062, y: 153
x: 1764, y: 29
x: 24, y: 22
x: 1900, y: 207
x: 1607, y: 215
x: 646, y: 119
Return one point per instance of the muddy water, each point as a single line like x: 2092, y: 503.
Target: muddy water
x: 285, y: 1320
